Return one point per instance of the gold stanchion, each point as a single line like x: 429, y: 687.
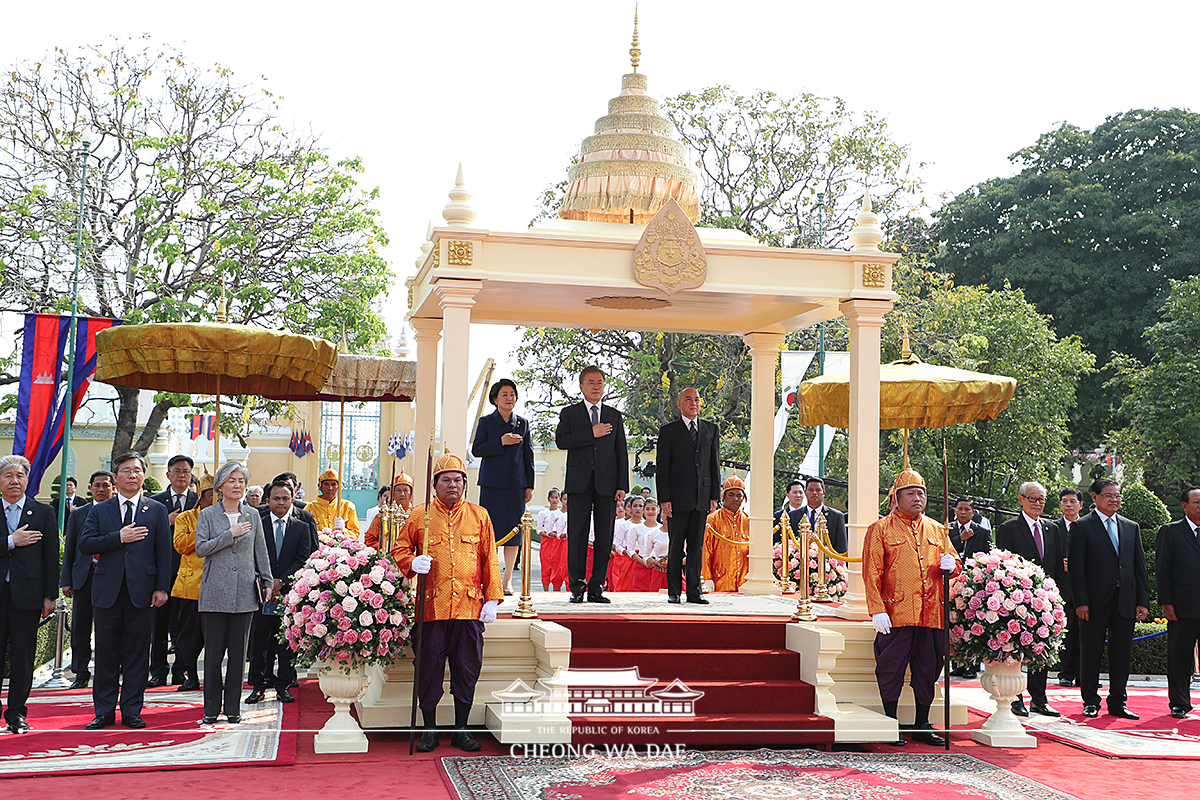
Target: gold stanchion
x: 821, y: 595
x: 785, y: 580
x: 804, y: 612
x: 525, y: 604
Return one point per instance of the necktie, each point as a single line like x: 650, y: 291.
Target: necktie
x: 595, y: 415
x: 179, y: 502
x: 1037, y: 539
x: 13, y: 514
x: 812, y: 519
x: 278, y: 537
x: 692, y: 430
x: 128, y: 512
x: 1111, y: 525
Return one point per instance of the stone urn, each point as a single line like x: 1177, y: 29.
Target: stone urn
x: 1003, y: 681
x: 343, y: 685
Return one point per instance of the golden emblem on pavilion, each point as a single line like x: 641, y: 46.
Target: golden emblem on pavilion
x: 632, y: 165
x: 670, y: 256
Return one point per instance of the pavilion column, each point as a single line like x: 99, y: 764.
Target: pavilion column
x: 427, y: 332
x: 457, y: 298
x: 865, y: 319
x: 764, y: 351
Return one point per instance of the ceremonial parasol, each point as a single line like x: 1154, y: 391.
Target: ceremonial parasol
x: 211, y: 358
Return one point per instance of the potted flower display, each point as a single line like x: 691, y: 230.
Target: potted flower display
x: 348, y: 608
x: 1005, y: 612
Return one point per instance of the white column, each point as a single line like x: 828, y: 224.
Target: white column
x: 764, y: 352
x: 426, y: 332
x: 457, y: 298
x: 865, y: 318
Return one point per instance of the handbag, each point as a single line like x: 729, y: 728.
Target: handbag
x: 262, y: 586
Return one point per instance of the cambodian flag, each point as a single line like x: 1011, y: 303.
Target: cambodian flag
x: 40, y: 415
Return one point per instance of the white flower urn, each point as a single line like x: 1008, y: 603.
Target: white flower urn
x: 343, y: 684
x: 1003, y: 681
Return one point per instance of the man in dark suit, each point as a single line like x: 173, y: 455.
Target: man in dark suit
x: 297, y: 507
x: 177, y: 498
x: 969, y: 539
x: 132, y: 536
x: 795, y: 506
x: 689, y: 485
x: 1177, y: 568
x: 1033, y: 538
x: 288, y: 552
x: 597, y: 478
x: 1070, y: 502
x: 76, y: 580
x: 28, y: 580
x: 835, y: 521
x: 1111, y: 588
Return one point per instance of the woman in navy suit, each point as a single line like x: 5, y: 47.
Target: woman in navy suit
x: 506, y: 472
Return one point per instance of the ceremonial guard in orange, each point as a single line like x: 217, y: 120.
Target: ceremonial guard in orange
x: 904, y: 555
x: 726, y: 563
x: 329, y: 511
x: 462, y: 591
x: 402, y: 492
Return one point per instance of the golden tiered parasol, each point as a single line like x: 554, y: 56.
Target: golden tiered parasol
x: 211, y: 358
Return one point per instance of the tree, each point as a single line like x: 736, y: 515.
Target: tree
x: 193, y: 188
x: 1092, y: 229
x: 1162, y: 435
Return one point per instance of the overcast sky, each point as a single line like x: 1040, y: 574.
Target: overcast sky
x: 511, y: 88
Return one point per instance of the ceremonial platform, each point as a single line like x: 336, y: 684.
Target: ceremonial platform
x: 639, y: 671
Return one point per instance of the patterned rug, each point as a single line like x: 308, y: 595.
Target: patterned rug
x: 1156, y: 735
x: 173, y: 739
x: 734, y: 775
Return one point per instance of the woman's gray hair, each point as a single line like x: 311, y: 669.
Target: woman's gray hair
x: 227, y: 469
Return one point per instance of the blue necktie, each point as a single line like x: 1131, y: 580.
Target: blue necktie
x: 13, y: 514
x: 1111, y: 525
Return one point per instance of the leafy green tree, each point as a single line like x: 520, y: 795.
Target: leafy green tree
x: 1162, y: 437
x: 193, y: 186
x: 1092, y: 228
x: 1140, y: 505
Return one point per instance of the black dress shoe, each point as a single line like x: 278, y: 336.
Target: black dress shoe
x: 970, y: 676
x: 1179, y: 713
x: 284, y: 696
x: 428, y: 742
x: 156, y: 681
x: 958, y: 672
x: 1091, y: 711
x: 1066, y: 680
x: 254, y: 697
x: 133, y: 721
x: 295, y: 684
x: 178, y: 678
x: 190, y: 685
x: 674, y: 598
x: 234, y: 719
x: 465, y: 741
x: 1019, y: 709
x: 18, y: 725
x: 598, y: 598
x: 80, y: 682
x: 899, y: 740
x: 699, y: 600
x: 575, y: 598
x: 209, y: 721
x: 99, y: 723
x: 929, y: 736
x: 1122, y: 712
x: 1044, y: 709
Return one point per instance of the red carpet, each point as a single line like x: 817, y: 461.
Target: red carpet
x: 172, y: 740
x: 753, y: 695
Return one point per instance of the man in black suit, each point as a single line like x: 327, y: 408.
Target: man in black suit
x: 76, y: 580
x: 969, y: 539
x: 835, y: 521
x: 177, y: 498
x: 1177, y: 568
x: 689, y: 485
x: 132, y: 536
x: 297, y: 507
x: 1033, y: 538
x: 288, y: 552
x: 1111, y: 588
x: 1070, y: 502
x: 795, y: 506
x: 597, y: 478
x: 28, y: 580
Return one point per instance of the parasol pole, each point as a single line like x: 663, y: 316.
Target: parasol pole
x: 418, y: 627
x: 341, y: 455
x: 217, y: 428
x: 946, y: 593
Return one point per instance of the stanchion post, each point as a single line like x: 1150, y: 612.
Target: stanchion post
x: 525, y: 605
x: 57, y: 680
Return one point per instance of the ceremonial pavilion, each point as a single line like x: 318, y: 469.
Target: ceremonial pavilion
x: 625, y: 255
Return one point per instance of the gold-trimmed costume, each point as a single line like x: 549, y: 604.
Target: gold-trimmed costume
x: 325, y: 511
x: 726, y: 564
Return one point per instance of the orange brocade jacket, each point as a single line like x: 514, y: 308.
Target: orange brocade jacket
x: 725, y: 564
x: 901, y: 572
x: 465, y: 572
x: 371, y: 537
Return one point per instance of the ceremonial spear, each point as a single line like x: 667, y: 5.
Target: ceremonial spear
x: 416, y: 642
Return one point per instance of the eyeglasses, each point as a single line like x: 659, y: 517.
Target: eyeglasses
x: 131, y: 471
x: 1110, y: 496
x: 1035, y: 500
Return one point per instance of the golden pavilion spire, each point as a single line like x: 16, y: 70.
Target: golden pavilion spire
x: 635, y: 52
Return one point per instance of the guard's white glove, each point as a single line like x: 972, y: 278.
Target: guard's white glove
x: 339, y: 524
x: 947, y: 562
x: 710, y: 586
x: 882, y: 622
x: 422, y: 564
x: 488, y: 614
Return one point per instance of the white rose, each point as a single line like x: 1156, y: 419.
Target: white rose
x: 388, y: 587
x: 377, y: 574
x: 366, y: 619
x: 349, y: 604
x: 341, y: 588
x: 343, y: 570
x: 356, y: 589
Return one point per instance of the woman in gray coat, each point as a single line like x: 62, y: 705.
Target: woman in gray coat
x: 229, y: 537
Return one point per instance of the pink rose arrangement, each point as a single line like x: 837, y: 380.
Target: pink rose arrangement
x: 835, y: 571
x: 348, y: 605
x: 1004, y: 608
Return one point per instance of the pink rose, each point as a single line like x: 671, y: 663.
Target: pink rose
x: 382, y: 649
x: 385, y: 635
x: 337, y: 612
x: 977, y: 629
x: 344, y: 623
x: 1014, y: 626
x: 351, y: 636
x: 381, y: 615
x: 1003, y: 636
x: 376, y: 601
x: 343, y: 655
x: 365, y: 580
x: 365, y: 636
x: 1039, y: 648
x: 1026, y: 638
x: 1043, y: 632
